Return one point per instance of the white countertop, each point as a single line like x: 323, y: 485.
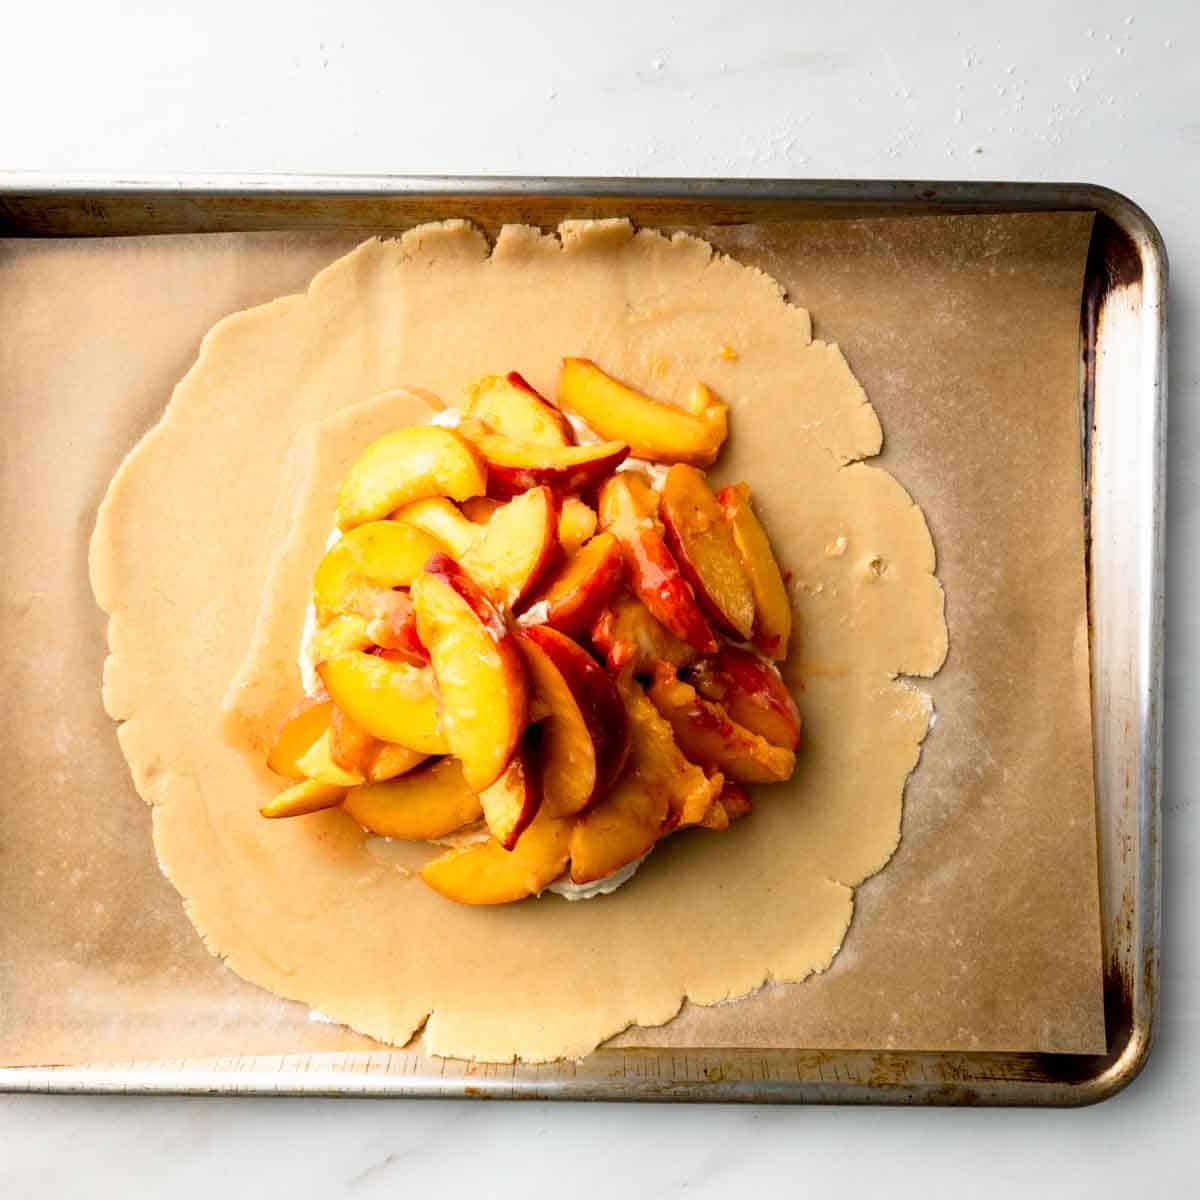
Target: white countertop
x: 1089, y: 90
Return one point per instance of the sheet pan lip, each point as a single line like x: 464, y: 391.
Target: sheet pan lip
x: 1123, y: 1064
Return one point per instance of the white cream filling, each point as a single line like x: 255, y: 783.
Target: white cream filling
x: 563, y: 886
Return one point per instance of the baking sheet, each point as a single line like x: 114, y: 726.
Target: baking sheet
x: 982, y: 934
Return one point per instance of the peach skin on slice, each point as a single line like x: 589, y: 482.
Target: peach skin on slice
x: 408, y: 464
x: 702, y: 542
x: 773, y: 609
x: 514, y: 799
x: 428, y: 803
x: 628, y: 635
x: 396, y: 630
x: 576, y: 524
x: 515, y: 467
x: 479, y: 670
x: 440, y: 519
x: 653, y: 430
x: 705, y: 733
x: 653, y: 572
x: 751, y: 692
x: 393, y: 701
x: 489, y: 874
x: 303, y: 726
x: 511, y: 406
x: 358, y: 572
x: 584, y: 586
x: 585, y: 739
x: 303, y: 798
x: 516, y: 548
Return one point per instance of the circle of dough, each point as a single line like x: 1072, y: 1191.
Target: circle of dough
x: 203, y: 554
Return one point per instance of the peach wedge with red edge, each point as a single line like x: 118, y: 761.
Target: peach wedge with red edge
x: 514, y: 799
x: 706, y: 734
x: 702, y: 542
x: 584, y: 586
x: 441, y: 520
x: 514, y: 467
x: 651, y: 567
x: 628, y: 635
x: 585, y: 739
x: 773, y: 609
x: 576, y: 524
x: 516, y: 548
x: 308, y: 796
x: 406, y: 465
x: 751, y: 691
x: 426, y: 803
x: 303, y: 726
x: 489, y: 874
x: 358, y: 572
x: 653, y: 430
x: 393, y: 701
x: 479, y: 670
x: 511, y: 406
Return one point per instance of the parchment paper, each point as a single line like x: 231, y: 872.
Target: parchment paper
x: 983, y: 932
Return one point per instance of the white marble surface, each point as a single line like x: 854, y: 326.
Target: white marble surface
x: 1086, y: 90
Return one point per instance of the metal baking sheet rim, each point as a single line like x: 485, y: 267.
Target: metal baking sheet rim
x: 1123, y: 396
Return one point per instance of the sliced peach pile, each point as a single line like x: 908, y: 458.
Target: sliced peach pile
x: 521, y: 633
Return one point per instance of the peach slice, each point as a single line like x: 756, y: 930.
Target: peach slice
x: 515, y: 467
x: 350, y: 746
x: 773, y: 609
x: 406, y: 465
x: 489, y: 874
x: 657, y: 760
x: 303, y: 798
x: 479, y: 670
x: 586, y: 737
x: 628, y: 635
x: 653, y: 572
x: 516, y: 548
x: 751, y: 692
x: 341, y: 636
x: 440, y: 519
x: 317, y: 763
x: 390, y: 761
x: 479, y: 510
x: 628, y: 499
x: 393, y: 701
x: 585, y: 585
x: 731, y: 805
x: 428, y: 803
x: 576, y: 524
x: 358, y: 572
x: 618, y: 831
x: 705, y: 733
x: 514, y: 799
x: 653, y: 430
x: 702, y: 542
x: 511, y: 406
x: 302, y: 728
